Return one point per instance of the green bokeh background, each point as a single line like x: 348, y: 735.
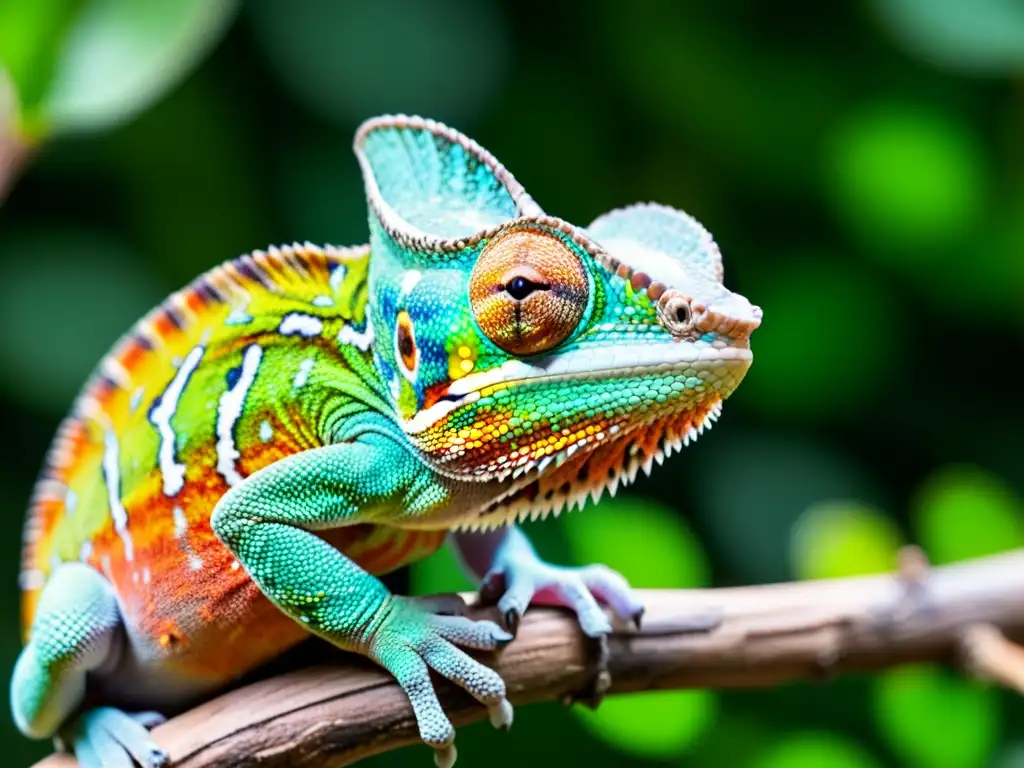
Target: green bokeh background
x: 861, y: 165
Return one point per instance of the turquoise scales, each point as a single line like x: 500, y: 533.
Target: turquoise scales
x: 478, y: 363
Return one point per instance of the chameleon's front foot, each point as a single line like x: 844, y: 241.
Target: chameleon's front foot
x: 408, y: 641
x: 105, y: 737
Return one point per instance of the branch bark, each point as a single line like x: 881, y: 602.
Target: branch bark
x: 767, y: 635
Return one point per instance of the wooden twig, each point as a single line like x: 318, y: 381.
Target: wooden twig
x: 768, y: 635
x: 989, y: 655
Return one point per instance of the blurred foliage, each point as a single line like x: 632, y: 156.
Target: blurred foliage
x: 815, y: 750
x: 834, y: 539
x: 652, y: 547
x: 859, y: 163
x: 935, y: 719
x: 86, y: 66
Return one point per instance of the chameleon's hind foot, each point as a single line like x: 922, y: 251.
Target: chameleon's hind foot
x: 518, y: 577
x: 105, y: 737
x: 409, y: 642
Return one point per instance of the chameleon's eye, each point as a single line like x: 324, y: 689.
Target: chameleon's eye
x: 405, y: 345
x: 528, y: 291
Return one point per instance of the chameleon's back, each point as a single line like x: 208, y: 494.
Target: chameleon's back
x: 224, y: 378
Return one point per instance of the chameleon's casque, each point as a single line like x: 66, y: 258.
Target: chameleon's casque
x: 296, y: 422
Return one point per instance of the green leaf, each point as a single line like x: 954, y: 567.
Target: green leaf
x: 935, y: 719
x: 909, y: 181
x: 834, y: 539
x: 963, y: 512
x: 30, y: 38
x: 816, y: 749
x: 122, y: 55
x: 652, y: 547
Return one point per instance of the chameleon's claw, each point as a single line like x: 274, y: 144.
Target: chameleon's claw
x: 637, y: 617
x: 501, y: 715
x: 444, y: 757
x: 148, y: 720
x: 512, y: 618
x: 600, y: 681
x: 106, y: 736
x: 526, y: 578
x: 410, y: 642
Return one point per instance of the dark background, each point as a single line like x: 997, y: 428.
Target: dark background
x: 860, y: 164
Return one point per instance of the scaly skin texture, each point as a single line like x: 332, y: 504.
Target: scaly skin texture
x: 251, y: 456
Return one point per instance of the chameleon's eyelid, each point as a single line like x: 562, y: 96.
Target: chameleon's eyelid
x: 406, y: 350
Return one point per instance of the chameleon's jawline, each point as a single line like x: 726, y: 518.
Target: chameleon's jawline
x: 520, y: 501
x: 516, y: 372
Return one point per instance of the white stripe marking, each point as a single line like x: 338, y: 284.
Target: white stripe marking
x: 136, y: 400
x: 32, y: 579
x: 583, y: 363
x: 302, y: 376
x: 266, y: 431
x: 112, y: 474
x: 409, y: 281
x: 297, y: 324
x: 173, y: 472
x: 116, y: 372
x: 360, y: 340
x: 323, y: 301
x: 180, y: 521
x: 338, y: 277
x: 229, y: 409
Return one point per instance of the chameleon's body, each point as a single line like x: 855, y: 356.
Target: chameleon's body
x: 293, y: 423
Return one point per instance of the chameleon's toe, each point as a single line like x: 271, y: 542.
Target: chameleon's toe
x: 445, y: 756
x: 148, y: 719
x: 468, y: 633
x: 409, y: 643
x: 578, y: 589
x: 501, y: 715
x: 611, y: 588
x: 451, y: 604
x: 109, y: 738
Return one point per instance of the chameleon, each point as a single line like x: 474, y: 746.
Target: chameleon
x: 253, y: 455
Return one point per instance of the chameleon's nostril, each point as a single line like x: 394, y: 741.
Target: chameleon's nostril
x: 676, y: 312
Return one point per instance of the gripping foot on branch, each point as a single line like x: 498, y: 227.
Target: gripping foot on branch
x: 409, y: 642
x: 516, y: 578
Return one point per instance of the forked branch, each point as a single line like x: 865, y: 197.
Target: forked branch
x: 966, y: 614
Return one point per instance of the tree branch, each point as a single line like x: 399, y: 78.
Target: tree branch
x: 768, y: 635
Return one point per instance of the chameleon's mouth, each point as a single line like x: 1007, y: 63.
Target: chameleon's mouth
x: 606, y: 362
x: 536, y: 493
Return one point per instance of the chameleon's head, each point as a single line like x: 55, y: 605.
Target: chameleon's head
x: 522, y: 350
